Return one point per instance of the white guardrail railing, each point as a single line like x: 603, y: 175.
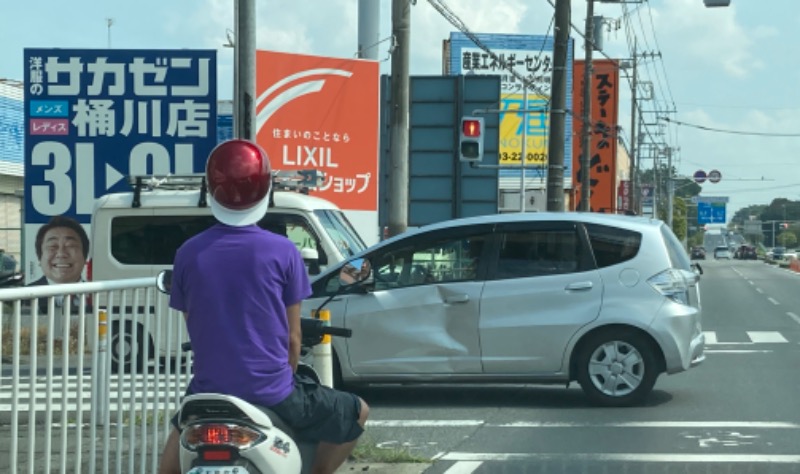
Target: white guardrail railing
x: 90, y: 375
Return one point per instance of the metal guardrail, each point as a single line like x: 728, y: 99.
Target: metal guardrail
x: 63, y: 407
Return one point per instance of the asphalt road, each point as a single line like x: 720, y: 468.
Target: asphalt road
x: 737, y: 413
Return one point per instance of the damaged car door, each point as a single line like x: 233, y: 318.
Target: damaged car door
x: 422, y: 315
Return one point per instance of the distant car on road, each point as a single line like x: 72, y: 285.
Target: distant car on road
x: 698, y: 253
x: 745, y: 252
x: 722, y: 252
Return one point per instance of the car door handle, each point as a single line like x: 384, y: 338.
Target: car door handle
x: 580, y: 286
x: 456, y: 299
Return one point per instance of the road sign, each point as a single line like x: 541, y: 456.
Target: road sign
x: 711, y: 212
x: 699, y: 176
x: 714, y: 176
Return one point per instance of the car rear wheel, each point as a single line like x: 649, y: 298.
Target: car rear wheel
x: 617, y: 368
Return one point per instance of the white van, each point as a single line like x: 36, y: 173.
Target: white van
x: 136, y: 234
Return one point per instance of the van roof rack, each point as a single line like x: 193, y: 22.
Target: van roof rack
x: 300, y: 181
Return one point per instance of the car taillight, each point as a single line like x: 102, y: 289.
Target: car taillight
x: 218, y: 434
x: 674, y: 284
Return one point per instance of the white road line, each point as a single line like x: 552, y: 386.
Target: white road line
x: 651, y: 424
x: 794, y: 316
x: 564, y: 424
x: 766, y: 336
x: 773, y: 301
x: 711, y: 337
x: 628, y: 457
x: 759, y: 290
x: 464, y: 467
x: 735, y: 351
x: 424, y: 423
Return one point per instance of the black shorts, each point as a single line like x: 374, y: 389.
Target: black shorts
x: 316, y: 412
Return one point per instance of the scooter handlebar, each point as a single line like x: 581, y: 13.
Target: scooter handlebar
x: 337, y: 331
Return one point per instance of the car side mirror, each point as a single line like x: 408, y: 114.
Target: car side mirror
x: 697, y: 268
x: 164, y: 281
x: 355, y: 271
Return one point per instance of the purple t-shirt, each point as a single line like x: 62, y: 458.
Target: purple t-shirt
x: 235, y: 283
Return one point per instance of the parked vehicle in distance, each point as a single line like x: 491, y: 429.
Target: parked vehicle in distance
x: 722, y: 252
x: 605, y: 300
x: 698, y: 253
x: 790, y: 254
x: 776, y: 253
x: 746, y: 252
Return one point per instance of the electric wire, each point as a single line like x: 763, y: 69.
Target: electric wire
x: 732, y: 132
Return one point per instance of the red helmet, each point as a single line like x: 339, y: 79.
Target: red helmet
x: 239, y: 181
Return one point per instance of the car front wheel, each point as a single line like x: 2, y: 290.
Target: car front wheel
x: 617, y: 368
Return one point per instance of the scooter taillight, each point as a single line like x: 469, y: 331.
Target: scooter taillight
x: 218, y: 434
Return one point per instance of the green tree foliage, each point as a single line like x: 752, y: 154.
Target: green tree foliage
x: 684, y: 213
x: 787, y: 238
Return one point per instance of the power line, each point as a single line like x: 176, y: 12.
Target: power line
x: 733, y: 132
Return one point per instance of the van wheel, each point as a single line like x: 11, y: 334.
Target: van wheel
x: 126, y: 351
x: 616, y: 368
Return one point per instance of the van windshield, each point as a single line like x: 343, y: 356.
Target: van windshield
x: 340, y: 230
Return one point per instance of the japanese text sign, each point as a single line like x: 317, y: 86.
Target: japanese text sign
x: 603, y: 143
x: 322, y: 113
x: 94, y: 116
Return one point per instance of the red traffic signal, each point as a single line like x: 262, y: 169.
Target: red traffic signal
x: 470, y: 146
x: 471, y: 127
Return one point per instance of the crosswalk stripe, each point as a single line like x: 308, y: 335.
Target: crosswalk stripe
x: 756, y: 337
x: 766, y: 336
x: 628, y: 457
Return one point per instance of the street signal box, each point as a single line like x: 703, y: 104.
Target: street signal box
x: 471, y: 139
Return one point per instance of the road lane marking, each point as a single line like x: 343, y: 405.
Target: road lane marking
x: 650, y: 424
x: 766, y: 336
x: 737, y: 351
x: 627, y: 457
x: 759, y: 290
x: 711, y: 337
x: 773, y: 301
x: 794, y: 316
x: 464, y: 467
x: 424, y: 423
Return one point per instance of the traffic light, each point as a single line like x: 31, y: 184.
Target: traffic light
x: 717, y: 3
x: 471, y: 140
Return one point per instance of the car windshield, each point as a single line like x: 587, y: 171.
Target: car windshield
x: 340, y: 230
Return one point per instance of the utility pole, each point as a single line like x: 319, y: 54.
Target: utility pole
x: 398, y: 178
x: 670, y: 189
x: 558, y: 106
x: 524, y: 158
x: 632, y: 201
x: 586, y: 135
x: 244, y: 103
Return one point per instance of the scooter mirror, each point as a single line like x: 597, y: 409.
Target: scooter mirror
x: 164, y: 281
x: 355, y: 271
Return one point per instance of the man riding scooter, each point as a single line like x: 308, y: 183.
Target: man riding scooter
x: 240, y: 289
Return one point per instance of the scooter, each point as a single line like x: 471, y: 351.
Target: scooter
x: 222, y: 434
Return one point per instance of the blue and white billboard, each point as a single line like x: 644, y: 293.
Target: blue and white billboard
x: 11, y: 119
x: 94, y: 117
x: 529, y: 57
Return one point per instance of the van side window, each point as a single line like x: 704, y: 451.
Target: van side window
x: 153, y: 240
x: 612, y: 245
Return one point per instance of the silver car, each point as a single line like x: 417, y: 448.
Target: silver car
x: 608, y: 301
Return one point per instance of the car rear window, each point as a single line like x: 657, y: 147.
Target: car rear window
x: 677, y: 255
x: 612, y: 245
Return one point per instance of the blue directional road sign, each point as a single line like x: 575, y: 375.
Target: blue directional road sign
x: 710, y: 213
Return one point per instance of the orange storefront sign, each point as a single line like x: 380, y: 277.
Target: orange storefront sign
x: 322, y: 113
x: 603, y: 148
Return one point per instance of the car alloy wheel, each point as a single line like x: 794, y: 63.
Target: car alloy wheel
x: 617, y: 368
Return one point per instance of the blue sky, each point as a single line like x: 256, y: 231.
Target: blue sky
x: 727, y: 68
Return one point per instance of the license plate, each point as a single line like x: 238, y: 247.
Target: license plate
x: 218, y: 470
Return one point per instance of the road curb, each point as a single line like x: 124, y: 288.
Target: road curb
x: 383, y: 468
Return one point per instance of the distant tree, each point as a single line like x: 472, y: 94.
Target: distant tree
x: 787, y: 238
